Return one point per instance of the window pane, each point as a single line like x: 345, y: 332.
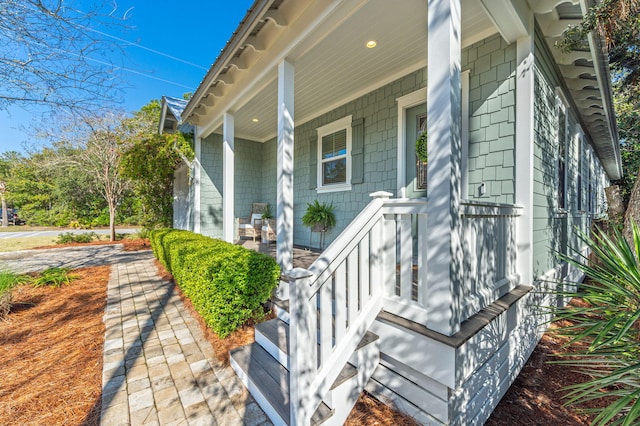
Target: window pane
x: 334, y: 171
x: 334, y: 144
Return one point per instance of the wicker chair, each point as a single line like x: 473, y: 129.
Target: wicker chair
x: 252, y: 226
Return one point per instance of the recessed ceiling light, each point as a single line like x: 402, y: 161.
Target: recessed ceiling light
x: 371, y: 44
x: 255, y: 120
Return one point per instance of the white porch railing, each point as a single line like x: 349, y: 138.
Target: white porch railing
x: 375, y: 264
x: 336, y: 300
x: 489, y: 249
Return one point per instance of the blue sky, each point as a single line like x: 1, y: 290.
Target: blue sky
x: 192, y: 30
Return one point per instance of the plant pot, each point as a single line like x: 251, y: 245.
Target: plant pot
x: 318, y: 227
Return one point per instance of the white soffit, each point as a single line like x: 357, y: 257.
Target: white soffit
x: 586, y: 77
x: 333, y: 65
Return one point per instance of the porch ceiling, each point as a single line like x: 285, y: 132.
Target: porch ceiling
x: 326, y: 42
x: 333, y: 64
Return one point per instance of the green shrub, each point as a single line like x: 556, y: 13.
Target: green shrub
x: 226, y: 283
x: 68, y: 237
x: 53, y: 277
x: 608, y: 323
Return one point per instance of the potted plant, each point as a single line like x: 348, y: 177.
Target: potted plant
x: 266, y: 217
x: 319, y: 217
x: 266, y: 213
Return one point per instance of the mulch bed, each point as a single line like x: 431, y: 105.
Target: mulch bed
x: 535, y: 397
x: 129, y: 244
x: 51, y: 352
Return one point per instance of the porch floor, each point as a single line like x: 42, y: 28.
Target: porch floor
x: 302, y: 258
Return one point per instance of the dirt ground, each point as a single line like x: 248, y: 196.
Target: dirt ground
x: 535, y: 398
x: 51, y: 364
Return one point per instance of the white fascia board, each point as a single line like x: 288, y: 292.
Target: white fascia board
x: 508, y: 16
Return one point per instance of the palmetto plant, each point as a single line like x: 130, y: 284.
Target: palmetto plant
x: 608, y: 323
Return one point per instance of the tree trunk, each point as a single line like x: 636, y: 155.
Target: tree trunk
x: 112, y: 222
x: 633, y: 212
x: 615, y: 209
x: 5, y: 214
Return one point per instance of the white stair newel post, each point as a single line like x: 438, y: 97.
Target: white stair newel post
x: 302, y: 342
x: 228, y: 173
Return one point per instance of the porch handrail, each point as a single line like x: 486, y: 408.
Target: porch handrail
x: 336, y: 300
x: 490, y: 252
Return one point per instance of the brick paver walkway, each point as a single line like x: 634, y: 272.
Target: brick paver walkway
x: 158, y: 368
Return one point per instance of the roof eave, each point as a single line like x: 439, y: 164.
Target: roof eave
x: 246, y: 26
x: 605, y: 82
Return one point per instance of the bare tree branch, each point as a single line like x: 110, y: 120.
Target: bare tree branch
x: 50, y: 55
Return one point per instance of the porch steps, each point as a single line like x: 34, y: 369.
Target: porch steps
x: 268, y: 382
x: 263, y: 368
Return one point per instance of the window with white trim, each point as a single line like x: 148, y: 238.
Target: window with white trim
x: 334, y: 156
x: 563, y: 139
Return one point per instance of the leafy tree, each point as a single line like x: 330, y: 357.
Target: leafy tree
x: 149, y: 160
x: 92, y: 145
x: 5, y: 166
x: 628, y: 117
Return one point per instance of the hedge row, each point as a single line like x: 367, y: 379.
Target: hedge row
x: 226, y: 283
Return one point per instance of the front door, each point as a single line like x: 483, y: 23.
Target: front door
x: 416, y: 170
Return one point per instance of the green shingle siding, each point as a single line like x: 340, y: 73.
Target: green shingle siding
x: 211, y: 187
x: 548, y: 223
x: 492, y: 66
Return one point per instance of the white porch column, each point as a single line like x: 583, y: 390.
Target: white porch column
x: 284, y: 210
x: 228, y: 177
x: 525, y: 96
x: 196, y: 184
x: 444, y: 253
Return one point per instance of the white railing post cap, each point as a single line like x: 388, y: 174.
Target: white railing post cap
x: 381, y: 194
x: 297, y: 273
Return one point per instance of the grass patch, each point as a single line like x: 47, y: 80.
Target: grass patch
x: 15, y: 244
x: 53, y: 277
x: 8, y: 280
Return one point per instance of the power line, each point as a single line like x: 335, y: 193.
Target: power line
x: 127, y: 42
x: 157, y: 52
x: 117, y: 68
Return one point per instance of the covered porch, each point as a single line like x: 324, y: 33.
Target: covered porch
x: 306, y: 67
